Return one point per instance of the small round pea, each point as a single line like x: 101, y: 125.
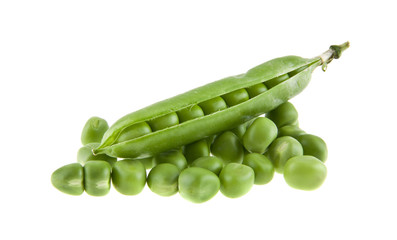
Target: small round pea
x: 282, y: 149
x: 277, y: 80
x: 134, y: 131
x: 285, y: 114
x: 213, y: 105
x: 236, y: 97
x: 305, y: 172
x: 313, y: 146
x: 190, y: 113
x: 129, y: 176
x: 259, y: 135
x: 93, y: 130
x: 262, y: 166
x: 227, y: 147
x: 165, y: 121
x: 148, y: 162
x: 195, y: 150
x: 256, y: 89
x: 240, y: 130
x: 174, y: 157
x: 97, y: 176
x: 211, y: 163
x: 236, y: 180
x: 163, y: 179
x: 84, y: 154
x: 198, y: 185
x: 290, y: 130
x: 69, y: 179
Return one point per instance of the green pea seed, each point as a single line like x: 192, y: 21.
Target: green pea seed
x: 198, y: 185
x: 281, y: 150
x: 190, y: 113
x: 195, y: 150
x: 236, y: 97
x: 93, y: 130
x: 313, y: 146
x: 227, y: 147
x: 148, y: 162
x: 69, y: 179
x: 236, y: 180
x: 211, y: 163
x: 84, y: 154
x: 275, y: 81
x: 290, y: 130
x: 134, y: 131
x: 213, y: 105
x: 240, y: 130
x: 305, y: 172
x: 256, y: 89
x: 174, y: 157
x: 259, y: 135
x: 129, y: 176
x: 262, y: 166
x: 283, y: 115
x: 163, y: 179
x: 165, y: 121
x: 97, y: 176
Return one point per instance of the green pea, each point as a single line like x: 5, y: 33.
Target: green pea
x: 313, y: 146
x: 198, y: 185
x: 211, y: 163
x: 190, y: 113
x: 282, y: 149
x: 148, y: 162
x: 262, y: 166
x: 163, y: 179
x: 69, y: 179
x: 259, y: 135
x: 84, y: 154
x: 210, y: 140
x: 173, y: 156
x: 134, y: 131
x: 275, y: 81
x: 290, y: 130
x: 239, y: 130
x: 129, y: 176
x: 195, y: 150
x: 93, y: 130
x: 256, y: 89
x: 283, y: 115
x: 236, y: 97
x: 213, y: 105
x: 305, y: 173
x: 236, y: 180
x: 227, y: 147
x: 165, y: 121
x: 97, y: 176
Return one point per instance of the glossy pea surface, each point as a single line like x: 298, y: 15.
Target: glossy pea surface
x: 174, y: 157
x: 313, y: 146
x: 256, y: 89
x: 259, y: 135
x: 195, y: 150
x: 211, y: 163
x: 93, y: 130
x: 262, y: 166
x: 190, y: 113
x: 129, y: 176
x: 236, y: 180
x: 290, y: 130
x: 198, y: 185
x: 285, y: 114
x: 227, y: 147
x: 97, y: 176
x: 134, y: 131
x: 236, y: 97
x: 275, y: 81
x: 165, y: 121
x: 305, y: 173
x: 281, y: 150
x: 84, y: 154
x: 69, y: 179
x: 163, y: 179
x: 213, y: 105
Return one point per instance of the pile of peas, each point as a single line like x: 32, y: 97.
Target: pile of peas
x: 230, y: 162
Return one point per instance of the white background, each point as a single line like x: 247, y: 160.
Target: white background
x: 62, y: 62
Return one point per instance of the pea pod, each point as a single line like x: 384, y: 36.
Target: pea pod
x: 222, y: 118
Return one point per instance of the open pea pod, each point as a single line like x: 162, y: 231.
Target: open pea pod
x: 288, y: 77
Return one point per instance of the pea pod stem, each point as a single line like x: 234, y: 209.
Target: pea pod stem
x: 334, y: 52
